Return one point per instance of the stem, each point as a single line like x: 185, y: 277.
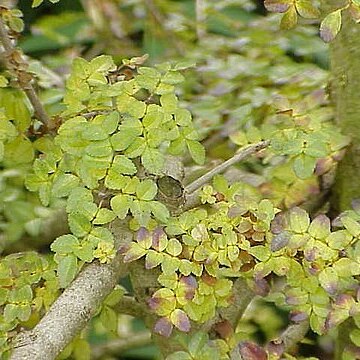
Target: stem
x: 70, y: 313
x: 129, y: 306
x: 23, y: 78
x: 118, y: 346
x: 293, y: 334
x: 240, y: 155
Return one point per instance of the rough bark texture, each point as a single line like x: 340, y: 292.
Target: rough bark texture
x: 345, y: 87
x: 69, y: 314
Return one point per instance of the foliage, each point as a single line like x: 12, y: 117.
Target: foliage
x: 109, y: 158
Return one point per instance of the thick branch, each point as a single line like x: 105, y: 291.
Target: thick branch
x: 70, y: 312
x: 22, y: 77
x: 240, y: 155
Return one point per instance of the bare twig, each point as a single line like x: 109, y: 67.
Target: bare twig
x: 240, y: 155
x: 69, y: 313
x: 129, y: 306
x: 292, y: 335
x: 118, y: 346
x: 23, y: 78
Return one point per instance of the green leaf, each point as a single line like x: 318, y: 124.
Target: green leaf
x: 146, y: 190
x: 94, y: 132
x: 351, y: 225
x: 197, y: 151
x: 153, y: 160
x: 66, y: 270
x: 197, y: 343
x: 174, y: 247
x: 21, y: 295
x: 148, y: 78
x: 18, y: 151
x: 85, y: 251
x: 153, y: 259
x: 114, y: 180
x: 102, y: 64
x: 115, y: 296
x: 64, y: 184
x: 136, y: 148
x: 104, y: 216
x: 172, y: 78
x: 120, y: 204
x: 304, y: 166
x: 160, y: 211
x: 129, y: 105
x: 179, y: 355
x: 123, y: 165
x: 129, y: 130
x: 79, y: 224
x: 185, y: 64
x: 299, y: 220
x: 109, y: 319
x: 64, y: 244
x: 355, y: 336
x: 330, y: 26
x: 36, y: 3
x: 306, y: 9
x: 101, y: 234
x: 11, y: 312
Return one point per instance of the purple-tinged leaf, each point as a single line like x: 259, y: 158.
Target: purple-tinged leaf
x: 330, y: 26
x: 280, y: 241
x: 142, y: 234
x: 163, y: 327
x: 298, y: 316
x: 261, y: 287
x: 335, y: 318
x: 251, y: 351
x: 134, y: 252
x: 279, y: 223
x: 354, y: 10
x: 180, y: 320
x: 329, y: 280
x: 279, y: 6
x: 159, y: 239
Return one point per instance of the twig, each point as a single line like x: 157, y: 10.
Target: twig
x: 240, y: 155
x: 129, y: 306
x: 293, y: 334
x: 118, y: 346
x: 23, y: 78
x: 70, y: 313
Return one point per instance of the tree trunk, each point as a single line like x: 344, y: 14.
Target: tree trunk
x: 345, y: 89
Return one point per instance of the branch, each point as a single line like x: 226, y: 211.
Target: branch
x: 240, y: 155
x: 129, y: 306
x: 23, y: 78
x: 118, y: 346
x: 293, y: 334
x: 70, y: 313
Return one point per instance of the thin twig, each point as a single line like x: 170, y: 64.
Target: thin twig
x: 22, y: 77
x: 240, y: 155
x: 292, y: 335
x: 118, y: 346
x: 129, y: 306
